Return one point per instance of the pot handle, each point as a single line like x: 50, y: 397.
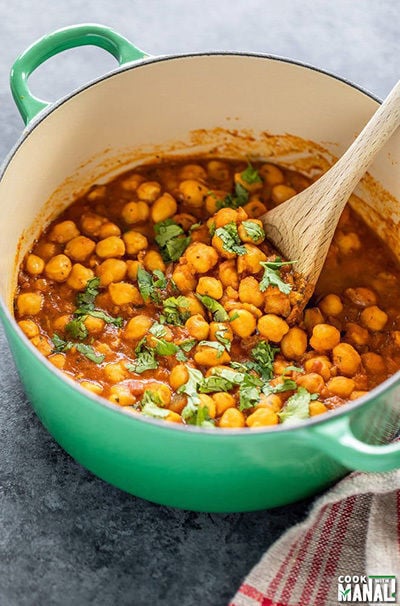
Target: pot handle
x: 337, y: 439
x: 48, y: 46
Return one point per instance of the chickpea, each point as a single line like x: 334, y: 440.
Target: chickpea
x: 174, y: 417
x: 312, y: 317
x: 201, y: 256
x: 320, y: 365
x: 331, y: 305
x: 249, y: 291
x: 94, y: 325
x: 294, y: 343
x: 95, y: 388
x: 317, y: 407
x: 97, y: 193
x: 228, y: 275
x: 373, y: 363
x: 153, y: 260
x: 179, y: 376
x: 218, y: 170
x: 324, y: 337
x: 137, y: 327
x: 184, y: 278
x: 163, y: 208
x: 281, y: 193
x: 193, y: 192
x: 207, y: 402
x: 194, y: 306
x: 58, y: 360
x: 192, y: 171
x: 357, y: 394
x: 212, y: 200
x: 362, y: 297
x: 395, y: 334
x: 109, y: 229
x: 185, y: 220
x: 91, y: 224
x: 29, y: 303
x: 29, y: 328
x: 271, y: 401
x: 232, y: 419
x: 271, y: 174
x: 111, y: 270
x: 132, y: 182
x: 79, y: 276
x: 347, y: 243
x: 34, y: 265
x: 223, y: 401
x: 209, y: 356
x: 312, y: 381
x: 272, y: 327
x: 276, y: 302
x: 225, y: 216
x: 243, y: 231
x: 135, y: 212
x: 132, y: 269
x: 63, y: 232
x: 346, y: 359
x: 250, y: 262
x: 79, y: 248
x: 42, y: 344
x: 122, y: 293
x: 134, y: 242
x: 356, y: 334
x: 110, y: 248
x: 58, y: 268
x: 46, y: 250
x: 60, y: 323
x: 149, y: 191
x: 219, y: 246
x: 210, y: 287
x: 262, y: 417
x: 221, y: 329
x: 243, y: 323
x: 255, y: 208
x: 341, y: 386
x: 160, y: 390
x: 115, y: 372
x: 120, y: 394
x: 374, y: 318
x: 197, y: 327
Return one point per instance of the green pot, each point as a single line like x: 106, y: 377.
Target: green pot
x: 109, y: 125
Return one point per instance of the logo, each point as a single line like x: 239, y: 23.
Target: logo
x: 373, y: 588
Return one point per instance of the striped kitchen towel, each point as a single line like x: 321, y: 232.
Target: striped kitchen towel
x: 347, y: 550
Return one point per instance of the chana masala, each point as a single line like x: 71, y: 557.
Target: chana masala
x: 159, y: 292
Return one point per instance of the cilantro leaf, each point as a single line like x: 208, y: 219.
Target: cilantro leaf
x: 89, y: 353
x: 220, y: 336
x: 230, y: 239
x: 174, y: 310
x: 272, y: 276
x: 150, y: 285
x: 98, y: 313
x: 165, y: 348
x: 215, y: 383
x: 151, y: 405
x: 190, y: 390
x: 218, y: 311
x: 286, y: 385
x: 239, y: 198
x: 160, y: 281
x: 60, y: 345
x: 214, y: 345
x: 145, y: 358
x: 297, y: 407
x: 250, y: 175
x: 253, y: 230
x: 88, y: 296
x: 171, y: 239
x: 249, y: 392
x: 212, y: 229
x: 263, y: 355
x: 77, y: 329
x: 188, y: 345
x: 202, y: 418
x: 158, y: 330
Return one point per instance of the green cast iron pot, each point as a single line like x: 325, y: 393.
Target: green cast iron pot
x: 144, y: 103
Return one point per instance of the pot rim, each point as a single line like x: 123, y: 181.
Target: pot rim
x: 349, y: 407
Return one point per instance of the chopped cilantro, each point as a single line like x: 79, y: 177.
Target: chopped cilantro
x: 88, y: 296
x: 188, y: 345
x: 150, y: 285
x: 249, y: 392
x: 158, y: 330
x: 190, y: 390
x: 77, y: 329
x: 218, y: 311
x: 286, y: 385
x: 230, y: 239
x: 212, y: 229
x: 220, y: 335
x: 253, y: 230
x: 174, y: 310
x: 145, y: 358
x: 151, y: 405
x: 60, y: 345
x: 215, y: 345
x: 86, y: 307
x: 239, y: 198
x: 262, y: 360
x: 297, y: 407
x: 215, y: 383
x: 272, y: 275
x: 86, y: 350
x: 201, y: 418
x: 250, y: 175
x: 171, y: 239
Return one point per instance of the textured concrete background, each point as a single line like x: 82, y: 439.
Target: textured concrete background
x: 67, y: 538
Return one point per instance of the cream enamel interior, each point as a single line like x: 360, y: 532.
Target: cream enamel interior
x: 174, y: 105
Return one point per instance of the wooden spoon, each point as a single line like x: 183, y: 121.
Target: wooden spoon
x: 302, y: 228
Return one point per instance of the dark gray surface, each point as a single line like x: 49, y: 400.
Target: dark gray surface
x: 67, y: 538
